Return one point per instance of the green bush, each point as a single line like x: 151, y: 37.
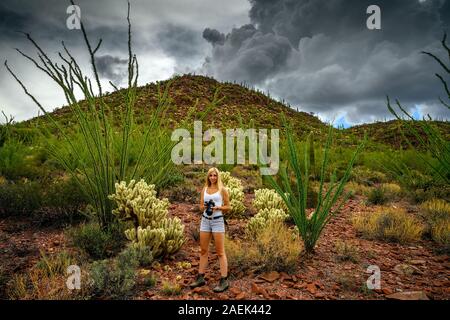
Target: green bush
x: 13, y: 162
x: 142, y: 254
x: 377, y: 195
x: 114, y: 278
x: 63, y: 202
x: 436, y: 213
x: 21, y: 198
x: 367, y: 176
x: 274, y: 248
x: 389, y: 224
x: 54, y: 265
x: 94, y: 241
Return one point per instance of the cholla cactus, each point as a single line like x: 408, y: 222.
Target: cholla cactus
x: 263, y: 218
x: 152, y: 228
x: 236, y: 192
x: 268, y: 199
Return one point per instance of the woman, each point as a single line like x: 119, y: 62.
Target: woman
x: 213, y: 225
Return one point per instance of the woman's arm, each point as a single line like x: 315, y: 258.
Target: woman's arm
x: 202, y: 202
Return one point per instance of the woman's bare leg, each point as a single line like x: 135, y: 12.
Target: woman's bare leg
x: 205, y: 238
x: 219, y: 240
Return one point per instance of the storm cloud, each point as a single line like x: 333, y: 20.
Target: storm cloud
x: 320, y: 55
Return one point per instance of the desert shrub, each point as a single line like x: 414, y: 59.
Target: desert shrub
x: 377, y: 195
x: 13, y: 162
x: 114, y: 278
x: 97, y: 243
x: 367, y: 176
x: 346, y: 251
x: 262, y: 219
x: 236, y: 193
x: 357, y: 188
x: 3, y: 282
x: 436, y: 213
x: 389, y: 224
x: 20, y: 198
x: 276, y: 247
x: 268, y: 199
x: 170, y: 288
x: 392, y: 190
x: 63, y: 201
x: 142, y: 254
x: 47, y: 280
x: 152, y: 228
x: 183, y: 192
x: 55, y: 264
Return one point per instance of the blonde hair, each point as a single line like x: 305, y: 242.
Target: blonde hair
x: 220, y: 185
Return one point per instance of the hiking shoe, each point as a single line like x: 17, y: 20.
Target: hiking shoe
x: 223, y: 285
x: 200, y: 281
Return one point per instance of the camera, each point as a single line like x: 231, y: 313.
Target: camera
x: 209, y: 205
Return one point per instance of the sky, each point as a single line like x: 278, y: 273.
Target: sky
x: 317, y: 55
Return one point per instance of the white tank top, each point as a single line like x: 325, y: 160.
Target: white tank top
x: 217, y: 198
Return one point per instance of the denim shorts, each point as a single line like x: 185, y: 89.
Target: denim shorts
x: 215, y: 225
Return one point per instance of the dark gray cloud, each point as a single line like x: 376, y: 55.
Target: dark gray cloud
x: 316, y: 54
x: 320, y: 56
x: 213, y: 36
x: 112, y: 68
x: 166, y: 37
x: 250, y: 55
x: 180, y: 42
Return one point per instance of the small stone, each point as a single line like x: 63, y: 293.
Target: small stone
x: 311, y: 287
x: 404, y: 269
x: 319, y: 295
x: 410, y: 295
x: 240, y: 296
x: 387, y: 291
x: 235, y: 291
x: 270, y: 276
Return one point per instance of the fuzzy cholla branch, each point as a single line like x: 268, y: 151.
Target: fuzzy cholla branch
x: 152, y: 228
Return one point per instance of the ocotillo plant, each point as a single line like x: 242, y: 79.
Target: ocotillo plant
x: 435, y: 143
x: 295, y: 196
x: 108, y: 146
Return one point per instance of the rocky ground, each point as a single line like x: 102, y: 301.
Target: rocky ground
x: 407, y: 271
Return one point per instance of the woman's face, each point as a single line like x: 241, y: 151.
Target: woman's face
x: 212, y: 177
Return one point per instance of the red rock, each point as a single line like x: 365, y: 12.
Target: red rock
x: 240, y: 296
x: 416, y: 262
x: 411, y: 295
x: 275, y: 296
x: 264, y: 293
x: 255, y: 288
x: 311, y: 287
x: 270, y: 276
x: 203, y: 289
x: 319, y: 295
x: 235, y: 291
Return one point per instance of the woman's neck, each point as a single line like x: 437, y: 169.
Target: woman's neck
x: 213, y: 186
